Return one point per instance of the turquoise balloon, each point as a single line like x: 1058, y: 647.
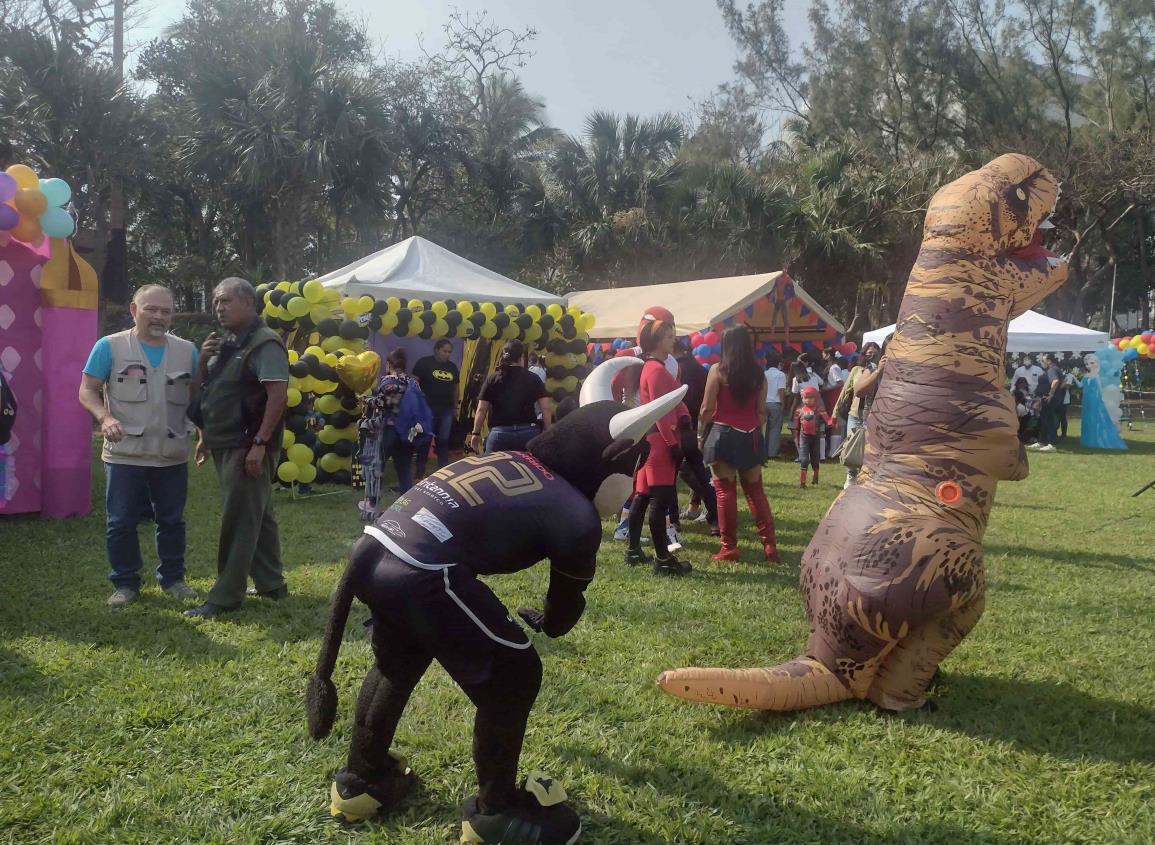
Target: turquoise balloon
x: 57, y: 192
x: 57, y: 223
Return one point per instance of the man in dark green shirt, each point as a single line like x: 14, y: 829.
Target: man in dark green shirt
x: 242, y: 384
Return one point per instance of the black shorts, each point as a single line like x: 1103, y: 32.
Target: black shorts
x: 740, y: 449
x: 446, y: 613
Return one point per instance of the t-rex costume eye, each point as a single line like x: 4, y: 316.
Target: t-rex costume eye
x: 893, y: 579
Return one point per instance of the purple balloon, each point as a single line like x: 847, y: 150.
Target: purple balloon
x: 8, y: 187
x: 9, y: 217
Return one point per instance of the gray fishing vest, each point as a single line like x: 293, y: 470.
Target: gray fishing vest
x: 150, y: 402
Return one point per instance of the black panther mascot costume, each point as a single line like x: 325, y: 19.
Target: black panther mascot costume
x: 416, y: 568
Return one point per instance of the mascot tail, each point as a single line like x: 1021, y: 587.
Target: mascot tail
x: 797, y: 685
x: 320, y: 693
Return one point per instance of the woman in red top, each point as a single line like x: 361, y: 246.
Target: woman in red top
x: 655, y: 479
x: 733, y: 413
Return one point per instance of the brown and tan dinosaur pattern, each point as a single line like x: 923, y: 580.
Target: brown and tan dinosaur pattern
x: 893, y: 578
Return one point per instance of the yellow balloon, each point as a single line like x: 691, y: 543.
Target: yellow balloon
x: 284, y: 285
x: 298, y: 307
x: 293, y: 397
x: 30, y: 202
x: 330, y: 345
x: 388, y: 323
x: 308, y: 474
x: 1143, y: 349
x: 320, y: 312
x: 488, y: 309
x: 569, y: 383
x: 315, y: 351
x: 574, y: 311
x: 511, y: 331
x: 394, y: 303
x: 327, y: 435
x: 466, y: 308
x: 349, y: 307
x: 306, y: 384
x: 533, y: 332
x: 440, y: 328
x: 332, y: 296
x: 287, y: 439
x: 439, y: 308
x: 328, y: 404
x: 488, y: 330
x: 555, y: 311
x: 288, y: 472
x: 414, y: 329
x: 511, y: 310
x: 313, y: 291
x: 533, y: 311
x: 365, y: 303
x: 587, y: 322
x: 294, y: 356
x: 330, y: 462
x: 24, y: 175
x: 331, y: 359
x: 299, y: 454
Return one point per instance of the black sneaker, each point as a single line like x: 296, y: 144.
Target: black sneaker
x: 353, y: 799
x: 281, y: 592
x: 539, y: 816
x: 208, y: 610
x: 636, y: 556
x: 672, y: 566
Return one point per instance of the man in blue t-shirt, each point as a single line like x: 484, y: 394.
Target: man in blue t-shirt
x: 136, y: 386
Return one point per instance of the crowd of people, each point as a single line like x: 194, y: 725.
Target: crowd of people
x: 142, y: 383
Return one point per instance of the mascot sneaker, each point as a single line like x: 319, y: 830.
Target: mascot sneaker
x: 539, y: 816
x: 672, y: 566
x: 353, y: 799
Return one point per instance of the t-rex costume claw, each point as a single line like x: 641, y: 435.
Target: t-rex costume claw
x: 893, y: 579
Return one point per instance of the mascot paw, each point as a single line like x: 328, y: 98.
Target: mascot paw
x: 353, y: 799
x: 532, y: 617
x: 320, y: 706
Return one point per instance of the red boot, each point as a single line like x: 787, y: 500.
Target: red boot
x: 763, y: 518
x: 727, y: 492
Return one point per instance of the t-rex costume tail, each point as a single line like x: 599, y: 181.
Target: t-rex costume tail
x: 893, y: 579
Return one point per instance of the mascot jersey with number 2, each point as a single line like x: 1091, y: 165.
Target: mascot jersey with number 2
x: 417, y: 570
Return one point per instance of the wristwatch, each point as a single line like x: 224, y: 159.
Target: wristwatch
x: 260, y: 441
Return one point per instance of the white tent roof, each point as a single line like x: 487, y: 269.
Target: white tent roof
x: 1031, y: 332
x: 695, y: 305
x: 420, y: 269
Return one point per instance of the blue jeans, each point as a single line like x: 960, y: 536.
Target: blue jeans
x: 510, y: 438
x: 394, y: 446
x: 130, y: 491
x: 442, y: 429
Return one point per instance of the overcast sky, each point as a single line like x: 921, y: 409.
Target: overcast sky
x: 640, y: 56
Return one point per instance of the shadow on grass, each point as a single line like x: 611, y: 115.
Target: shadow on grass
x: 1043, y: 717
x: 761, y: 818
x: 19, y: 677
x: 1098, y: 560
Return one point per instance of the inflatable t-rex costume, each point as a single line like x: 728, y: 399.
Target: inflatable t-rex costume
x: 417, y: 570
x: 893, y: 579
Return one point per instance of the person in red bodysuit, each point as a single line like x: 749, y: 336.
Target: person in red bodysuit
x: 810, y: 421
x: 655, y: 479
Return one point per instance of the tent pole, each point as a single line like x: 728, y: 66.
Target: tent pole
x: 1111, y: 315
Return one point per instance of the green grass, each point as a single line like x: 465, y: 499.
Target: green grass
x: 140, y: 726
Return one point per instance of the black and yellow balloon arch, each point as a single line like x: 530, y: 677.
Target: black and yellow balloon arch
x: 329, y: 373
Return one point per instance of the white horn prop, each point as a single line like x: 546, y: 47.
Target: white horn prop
x: 637, y: 422
x: 596, y: 387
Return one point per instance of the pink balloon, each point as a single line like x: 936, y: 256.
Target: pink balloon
x: 850, y: 346
x: 710, y: 338
x: 9, y: 217
x: 8, y: 187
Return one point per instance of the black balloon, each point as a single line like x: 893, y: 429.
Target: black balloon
x: 380, y: 308
x: 404, y: 315
x: 428, y: 318
x: 477, y: 318
x: 343, y: 476
x: 299, y: 369
x: 296, y: 423
x: 348, y: 329
x: 340, y: 419
x: 524, y: 321
x: 501, y: 321
x: 343, y: 448
x: 328, y: 327
x: 374, y: 324
x: 307, y: 437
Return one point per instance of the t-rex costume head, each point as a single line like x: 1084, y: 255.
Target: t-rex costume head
x: 893, y: 579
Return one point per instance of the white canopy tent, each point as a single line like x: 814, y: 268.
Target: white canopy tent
x: 1031, y: 332
x: 420, y: 269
